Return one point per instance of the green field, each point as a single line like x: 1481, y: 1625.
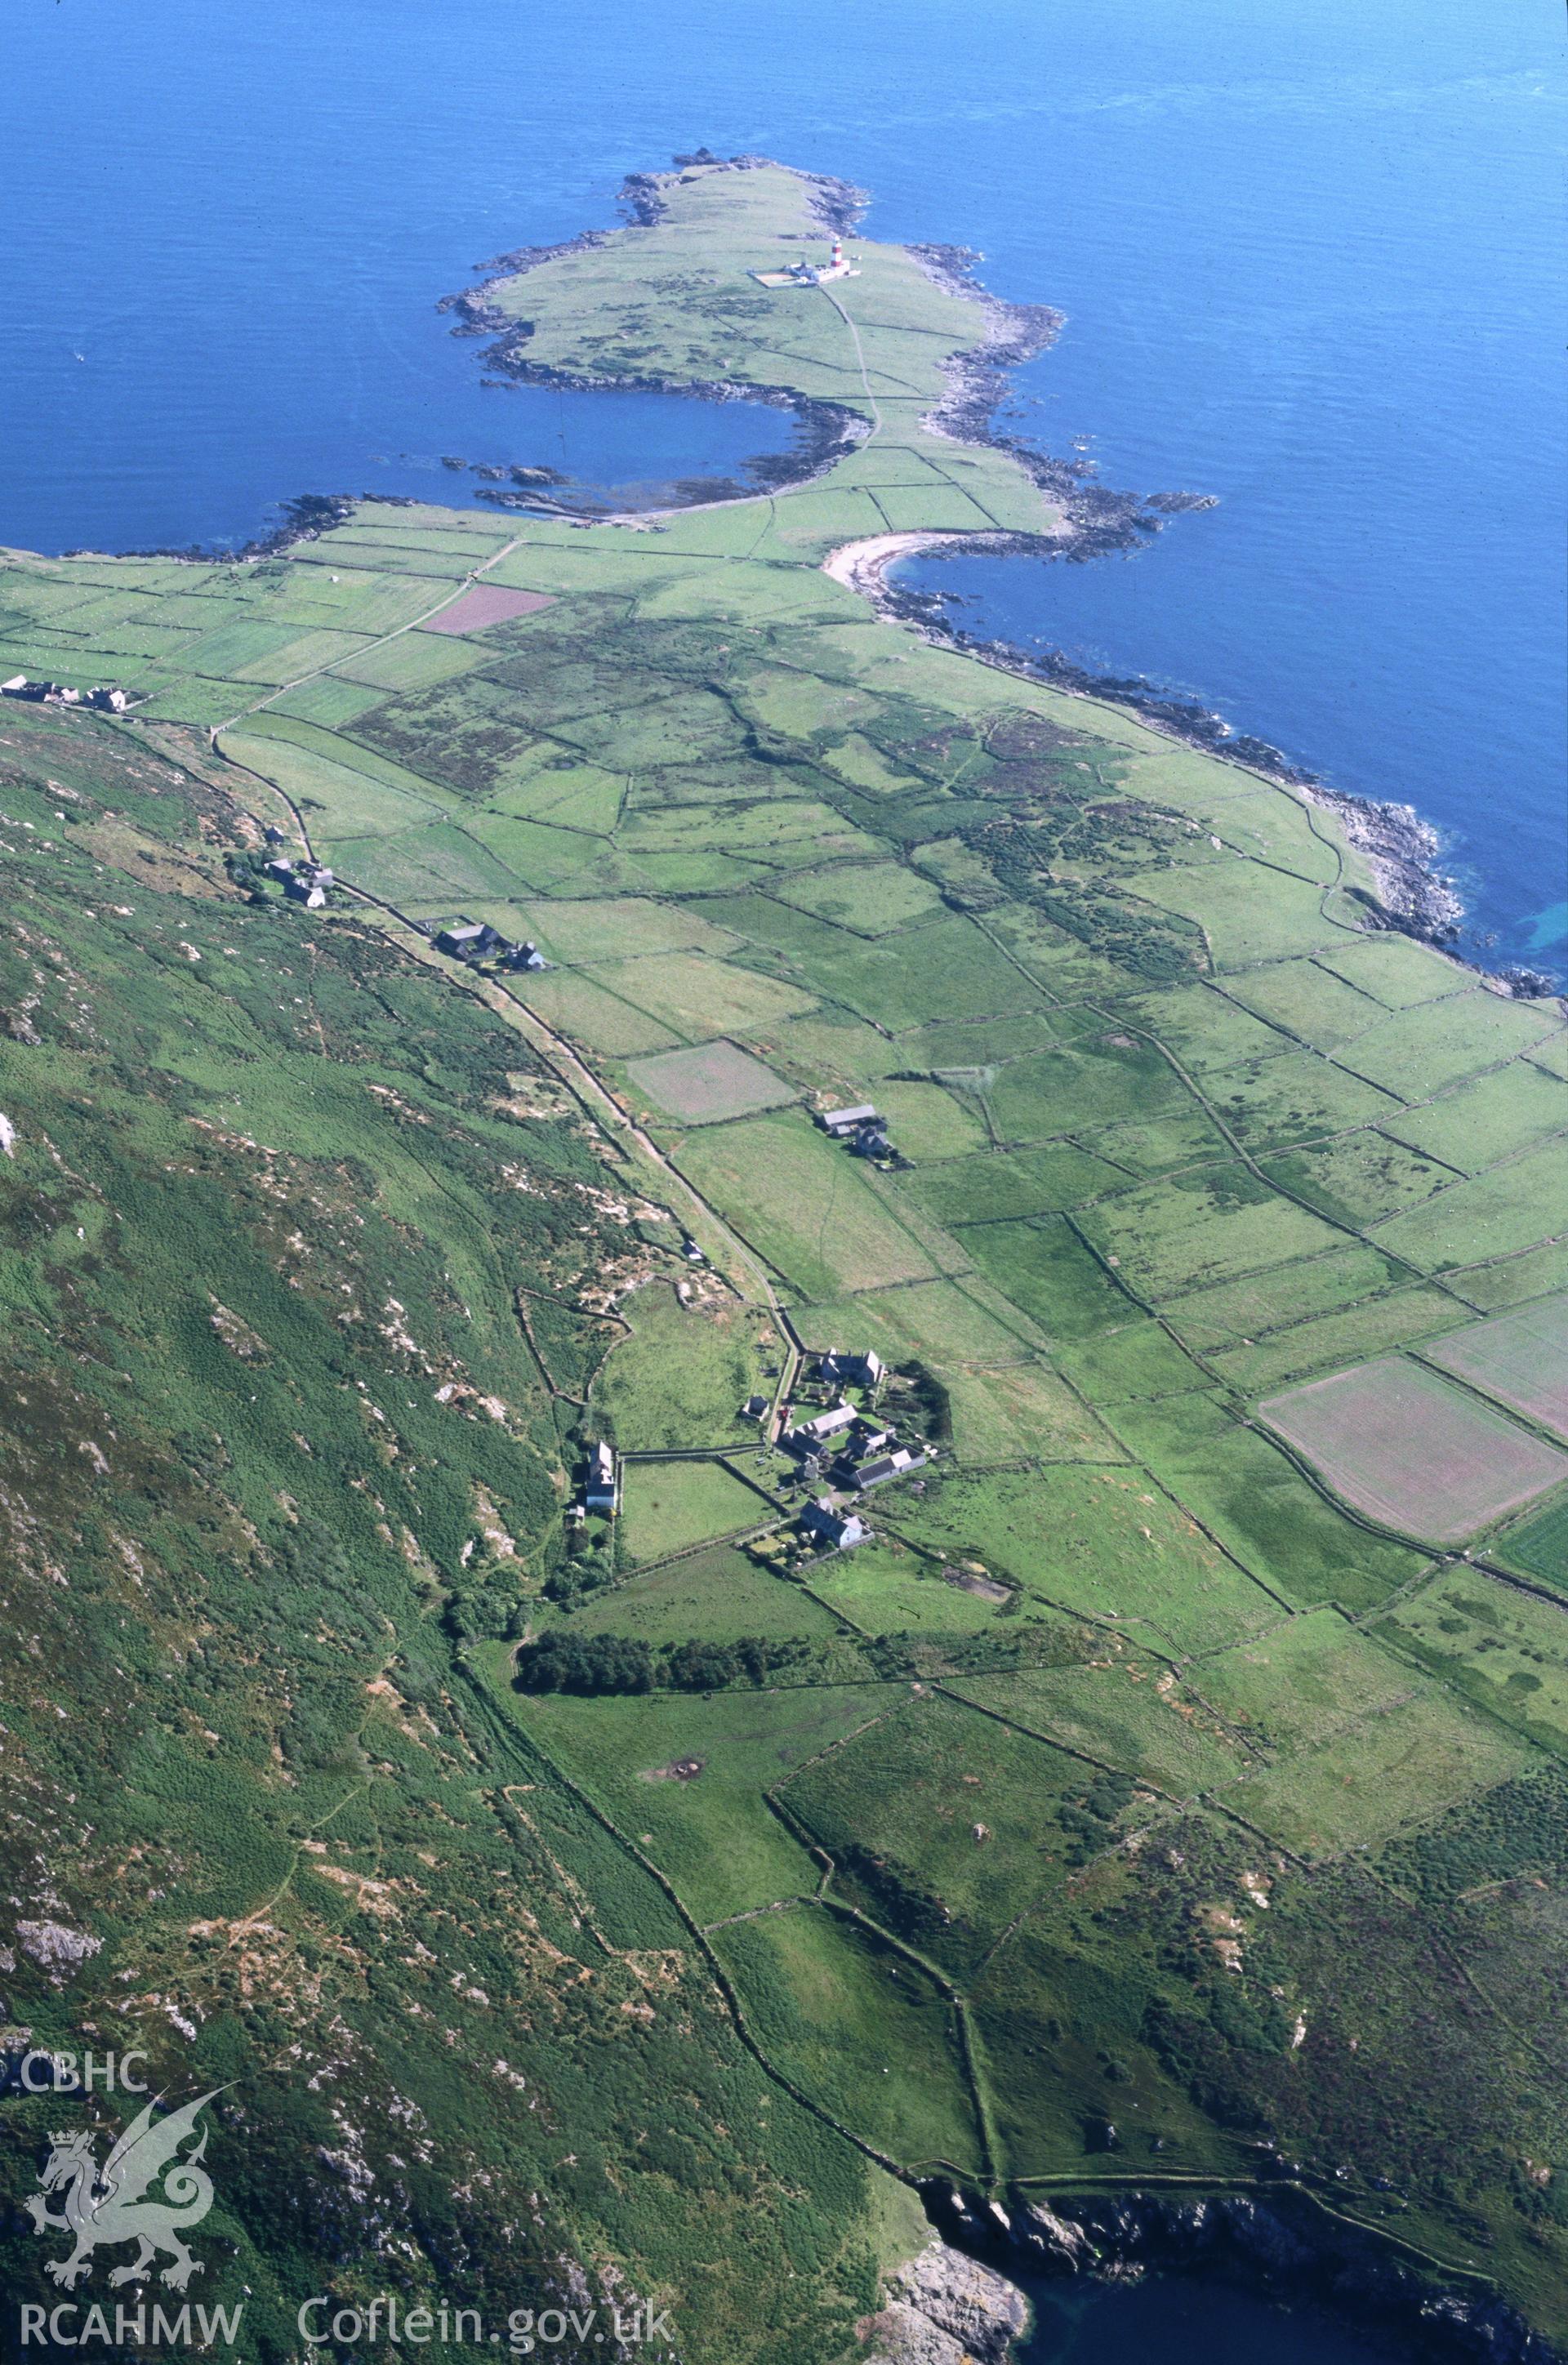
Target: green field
x: 940, y: 1322
x: 804, y: 1203
x: 682, y: 1375
x: 702, y: 998
x: 886, y: 1587
x: 1127, y: 1710
x: 940, y: 1822
x: 864, y: 2031
x: 712, y: 1835
x: 1504, y: 1649
x: 341, y: 800
x: 1539, y: 1546
x: 1104, y: 1542
x: 718, y: 1079
x: 671, y: 1505
x: 577, y: 1006
x: 868, y: 899
x: 715, y: 1595
x: 1136, y: 1772
x: 1355, y: 1745
x: 1024, y: 1410
x: 616, y: 930
x: 1202, y: 1229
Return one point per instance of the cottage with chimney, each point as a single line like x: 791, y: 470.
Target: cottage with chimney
x: 603, y: 1490
x: 822, y: 1524
x: 861, y: 1368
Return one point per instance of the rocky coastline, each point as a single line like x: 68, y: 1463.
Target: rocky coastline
x: 942, y: 2307
x: 1403, y: 851
x: 305, y: 518
x: 1413, y: 895
x: 825, y: 432
x: 1098, y: 520
x: 1284, y: 2249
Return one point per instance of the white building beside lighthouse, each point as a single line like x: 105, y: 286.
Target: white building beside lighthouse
x: 810, y: 274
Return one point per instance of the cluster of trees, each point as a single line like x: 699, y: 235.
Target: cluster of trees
x: 594, y: 1664
x: 245, y: 870
x: 587, y: 1571
x: 562, y: 1660
x: 1090, y: 1819
x: 933, y: 1404
x: 484, y: 1608
x: 585, y: 1663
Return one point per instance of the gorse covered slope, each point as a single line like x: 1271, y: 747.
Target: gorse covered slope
x: 1172, y: 1788
x: 275, y: 1440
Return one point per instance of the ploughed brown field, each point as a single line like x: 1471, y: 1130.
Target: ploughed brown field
x: 488, y: 603
x: 1404, y: 1446
x: 1521, y: 1359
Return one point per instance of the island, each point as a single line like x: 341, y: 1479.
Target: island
x: 784, y: 1446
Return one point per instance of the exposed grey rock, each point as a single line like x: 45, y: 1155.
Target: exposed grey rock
x: 945, y: 2309
x: 1056, y: 2239
x: 55, y: 1947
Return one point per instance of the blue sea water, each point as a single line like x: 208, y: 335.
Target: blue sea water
x: 1309, y: 251
x: 1327, y: 285
x: 1177, y: 2320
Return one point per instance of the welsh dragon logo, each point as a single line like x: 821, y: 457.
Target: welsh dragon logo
x: 118, y: 2201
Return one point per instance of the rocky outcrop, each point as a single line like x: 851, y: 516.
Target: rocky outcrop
x: 57, y: 1949
x: 1056, y: 2241
x: 1401, y: 851
x: 943, y: 2308
x: 305, y: 518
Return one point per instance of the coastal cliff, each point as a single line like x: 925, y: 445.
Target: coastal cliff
x: 957, y: 2298
x: 943, y: 2308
